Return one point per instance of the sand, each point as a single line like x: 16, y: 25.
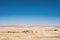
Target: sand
x: 30, y: 33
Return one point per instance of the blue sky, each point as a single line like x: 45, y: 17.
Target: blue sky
x: 29, y: 12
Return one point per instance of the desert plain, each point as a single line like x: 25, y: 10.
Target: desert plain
x: 29, y: 32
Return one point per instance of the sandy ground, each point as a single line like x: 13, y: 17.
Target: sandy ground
x: 32, y: 39
x: 30, y: 33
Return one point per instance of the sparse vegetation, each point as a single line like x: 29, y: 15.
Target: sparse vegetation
x: 29, y: 32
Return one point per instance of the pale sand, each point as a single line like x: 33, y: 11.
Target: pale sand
x: 30, y: 33
x: 32, y: 39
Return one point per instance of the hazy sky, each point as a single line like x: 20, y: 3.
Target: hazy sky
x: 29, y: 12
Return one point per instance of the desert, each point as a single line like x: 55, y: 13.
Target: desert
x: 30, y: 33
